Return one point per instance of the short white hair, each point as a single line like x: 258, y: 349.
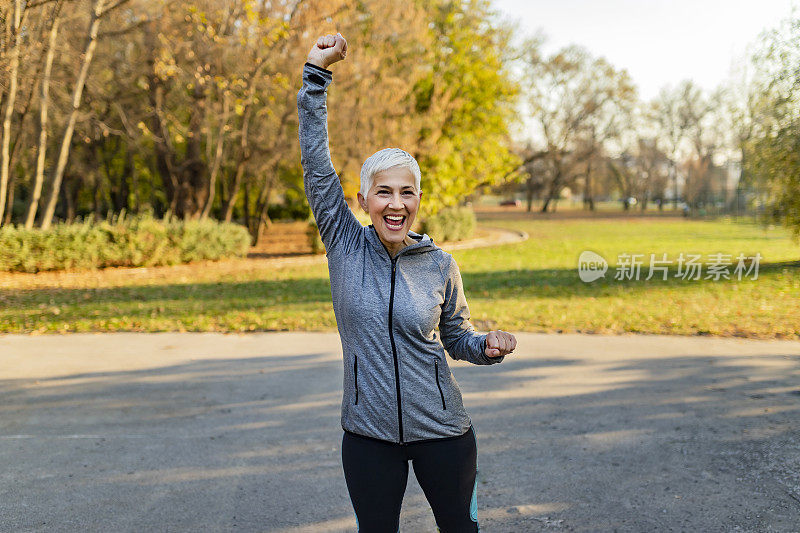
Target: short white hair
x: 384, y: 160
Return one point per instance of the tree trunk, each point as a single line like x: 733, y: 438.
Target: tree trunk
x: 10, y: 100
x: 212, y: 180
x: 223, y: 196
x: 94, y: 25
x: 555, y: 189
x: 134, y: 179
x: 588, y: 197
x: 16, y: 145
x: 244, y: 156
x: 12, y: 182
x: 247, y: 206
x: 263, y: 218
x: 163, y: 153
x: 675, y: 182
x: 124, y: 185
x: 529, y: 194
x: 36, y: 192
x: 234, y: 192
x: 193, y: 178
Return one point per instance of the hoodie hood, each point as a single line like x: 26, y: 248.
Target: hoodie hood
x: 424, y: 243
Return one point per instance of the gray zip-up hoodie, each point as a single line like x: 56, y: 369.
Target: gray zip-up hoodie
x: 397, y: 384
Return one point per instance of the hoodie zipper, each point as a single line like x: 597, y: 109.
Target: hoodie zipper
x: 391, y: 338
x: 394, y: 354
x: 355, y: 375
x: 436, y: 366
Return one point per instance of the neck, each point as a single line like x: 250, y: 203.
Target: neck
x: 394, y: 247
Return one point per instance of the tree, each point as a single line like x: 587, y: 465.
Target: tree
x: 99, y: 9
x: 653, y: 165
x: 574, y: 98
x: 10, y: 99
x: 772, y: 155
x: 189, y: 106
x: 673, y: 126
x: 44, y: 102
x: 467, y: 100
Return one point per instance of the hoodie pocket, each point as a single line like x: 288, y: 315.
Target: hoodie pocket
x: 438, y: 385
x: 355, y: 375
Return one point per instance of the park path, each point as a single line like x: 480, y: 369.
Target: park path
x: 240, y: 432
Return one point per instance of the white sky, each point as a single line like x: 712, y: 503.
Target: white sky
x: 659, y: 42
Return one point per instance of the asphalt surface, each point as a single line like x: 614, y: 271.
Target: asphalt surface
x: 213, y: 432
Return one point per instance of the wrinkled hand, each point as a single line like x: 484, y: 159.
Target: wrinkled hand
x: 499, y: 343
x: 328, y: 50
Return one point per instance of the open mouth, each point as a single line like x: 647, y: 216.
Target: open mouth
x: 394, y: 222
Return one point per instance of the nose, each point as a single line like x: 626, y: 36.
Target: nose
x: 396, y: 202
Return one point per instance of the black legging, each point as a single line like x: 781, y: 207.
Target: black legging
x: 376, y: 473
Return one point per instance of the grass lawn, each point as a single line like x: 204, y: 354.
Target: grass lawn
x: 529, y: 286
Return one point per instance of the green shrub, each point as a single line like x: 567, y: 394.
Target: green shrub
x: 450, y: 224
x: 132, y: 241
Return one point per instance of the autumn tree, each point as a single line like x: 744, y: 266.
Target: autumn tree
x: 574, y: 97
x: 468, y: 99
x: 189, y: 106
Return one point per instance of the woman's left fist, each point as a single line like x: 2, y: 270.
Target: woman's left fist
x: 499, y: 343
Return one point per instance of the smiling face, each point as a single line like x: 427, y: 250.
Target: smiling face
x: 392, y: 204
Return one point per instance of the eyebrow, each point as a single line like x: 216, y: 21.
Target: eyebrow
x: 403, y: 187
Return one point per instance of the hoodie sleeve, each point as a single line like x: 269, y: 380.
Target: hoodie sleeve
x: 336, y: 222
x: 458, y: 335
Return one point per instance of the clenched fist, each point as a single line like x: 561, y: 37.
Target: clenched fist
x: 499, y: 343
x: 328, y: 50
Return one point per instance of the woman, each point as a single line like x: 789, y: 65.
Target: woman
x: 391, y: 288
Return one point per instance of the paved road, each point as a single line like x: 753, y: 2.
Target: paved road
x: 213, y: 432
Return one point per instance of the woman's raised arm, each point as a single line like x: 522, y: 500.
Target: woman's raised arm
x: 335, y: 221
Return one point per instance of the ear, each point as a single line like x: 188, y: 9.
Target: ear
x: 362, y: 202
